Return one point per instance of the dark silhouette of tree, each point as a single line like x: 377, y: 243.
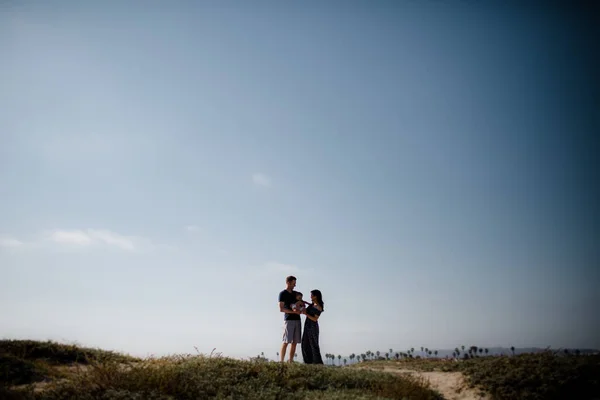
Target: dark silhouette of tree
x: 435, y: 353
x: 463, y: 348
x: 345, y: 361
x: 487, y: 351
x: 377, y: 352
x: 340, y: 359
x: 387, y: 356
x: 512, y: 348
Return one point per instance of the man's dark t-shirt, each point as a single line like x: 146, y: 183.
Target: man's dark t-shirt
x: 288, y: 299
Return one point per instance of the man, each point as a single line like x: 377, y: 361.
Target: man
x: 292, y: 327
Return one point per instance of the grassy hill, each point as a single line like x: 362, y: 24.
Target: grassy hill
x: 48, y: 370
x: 546, y: 375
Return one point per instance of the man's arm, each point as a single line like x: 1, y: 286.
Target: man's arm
x: 285, y: 310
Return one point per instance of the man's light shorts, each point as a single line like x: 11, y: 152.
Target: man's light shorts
x: 292, y: 331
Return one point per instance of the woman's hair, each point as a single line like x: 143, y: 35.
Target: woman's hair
x: 319, y: 296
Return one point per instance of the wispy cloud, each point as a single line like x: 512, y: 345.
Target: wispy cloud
x: 281, y: 268
x: 90, y: 237
x: 6, y: 241
x: 192, y: 228
x: 261, y: 180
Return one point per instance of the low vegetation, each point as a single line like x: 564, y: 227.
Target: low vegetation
x: 546, y: 375
x: 47, y: 370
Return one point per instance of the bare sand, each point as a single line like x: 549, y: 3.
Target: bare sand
x: 451, y: 385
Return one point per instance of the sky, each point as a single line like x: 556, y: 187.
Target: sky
x: 430, y: 167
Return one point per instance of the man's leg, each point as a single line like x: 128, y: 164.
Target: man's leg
x: 283, y: 349
x: 288, y: 327
x: 292, y: 352
x: 296, y: 338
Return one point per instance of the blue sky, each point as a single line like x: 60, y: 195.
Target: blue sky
x: 429, y: 167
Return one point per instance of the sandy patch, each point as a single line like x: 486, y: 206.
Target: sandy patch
x: 451, y: 385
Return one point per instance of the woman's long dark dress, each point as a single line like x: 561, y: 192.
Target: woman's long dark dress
x: 310, y: 339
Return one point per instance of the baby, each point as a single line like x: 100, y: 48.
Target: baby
x: 299, y: 305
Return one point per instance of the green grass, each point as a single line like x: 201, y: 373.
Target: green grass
x: 524, y: 377
x: 57, y: 353
x: 112, y: 376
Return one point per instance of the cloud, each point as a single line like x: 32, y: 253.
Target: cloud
x: 89, y: 237
x: 79, y: 238
x: 261, y: 180
x: 192, y: 228
x: 6, y: 241
x: 281, y: 268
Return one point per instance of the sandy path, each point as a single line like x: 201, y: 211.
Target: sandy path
x: 451, y: 385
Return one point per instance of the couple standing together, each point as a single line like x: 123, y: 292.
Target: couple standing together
x: 292, y: 305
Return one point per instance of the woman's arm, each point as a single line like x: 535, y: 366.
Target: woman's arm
x: 311, y: 317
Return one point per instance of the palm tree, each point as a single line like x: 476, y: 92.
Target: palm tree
x: 345, y: 361
x: 426, y: 351
x: 436, y: 353
x: 487, y: 351
x: 454, y: 354
x: 463, y: 348
x: 480, y: 350
x: 429, y: 353
x: 340, y: 359
x: 412, y: 349
x: 512, y: 348
x: 377, y: 354
x: 397, y: 356
x: 422, y: 348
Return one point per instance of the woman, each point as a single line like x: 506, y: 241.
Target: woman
x: 310, y: 338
